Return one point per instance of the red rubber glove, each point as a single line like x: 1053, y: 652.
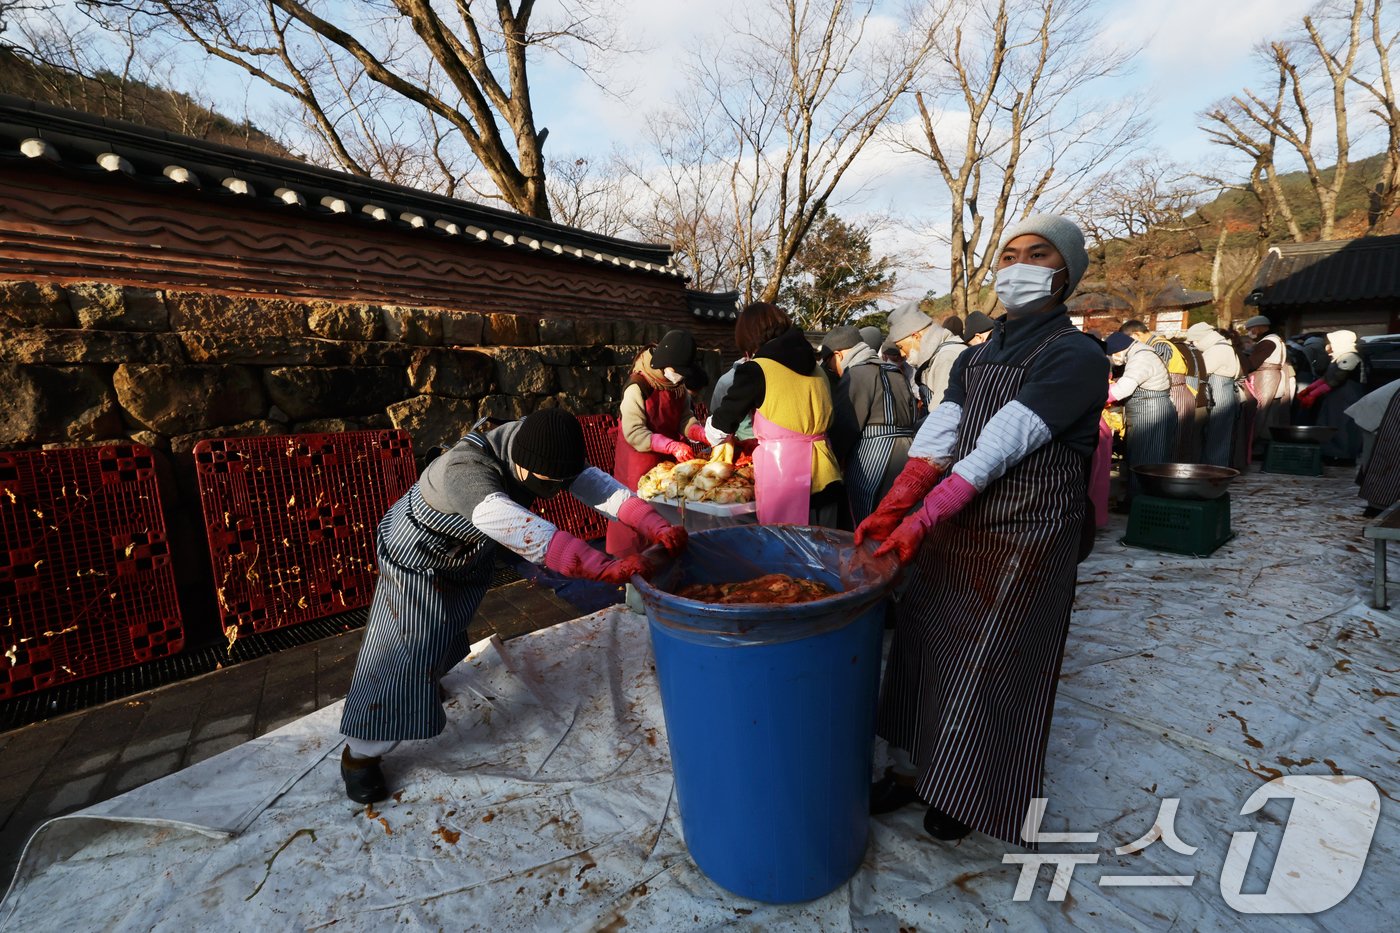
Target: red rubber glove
x: 696, y: 433
x: 573, y: 558
x: 1313, y: 393
x: 672, y: 448
x: 647, y: 522
x: 910, y: 486
x: 949, y: 498
x: 673, y: 540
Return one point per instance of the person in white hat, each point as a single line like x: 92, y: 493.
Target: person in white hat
x: 1222, y: 370
x: 929, y: 348
x: 998, y: 480
x: 1342, y: 383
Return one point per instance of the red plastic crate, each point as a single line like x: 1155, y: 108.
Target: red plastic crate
x: 566, y: 512
x: 86, y: 583
x: 291, y: 521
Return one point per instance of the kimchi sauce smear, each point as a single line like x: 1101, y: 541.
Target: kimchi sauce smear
x: 779, y: 588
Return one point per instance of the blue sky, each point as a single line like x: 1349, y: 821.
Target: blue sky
x: 1191, y: 54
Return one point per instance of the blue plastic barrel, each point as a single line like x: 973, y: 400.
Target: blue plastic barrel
x: 770, y: 709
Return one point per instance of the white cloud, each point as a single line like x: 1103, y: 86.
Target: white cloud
x: 1188, y: 41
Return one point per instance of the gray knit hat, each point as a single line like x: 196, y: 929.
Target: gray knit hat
x: 907, y: 320
x: 841, y: 338
x: 873, y: 337
x: 1064, y: 235
x: 1258, y: 321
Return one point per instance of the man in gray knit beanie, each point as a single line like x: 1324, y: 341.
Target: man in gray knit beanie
x: 990, y: 513
x: 1064, y: 235
x: 1041, y: 260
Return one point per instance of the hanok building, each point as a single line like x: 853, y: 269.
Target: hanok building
x: 1331, y: 285
x: 1165, y: 312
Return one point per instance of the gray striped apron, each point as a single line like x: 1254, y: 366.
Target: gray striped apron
x: 868, y: 475
x: 1379, y: 476
x: 434, y: 569
x: 1188, y: 438
x: 1149, y: 431
x: 1220, y: 424
x: 970, y: 683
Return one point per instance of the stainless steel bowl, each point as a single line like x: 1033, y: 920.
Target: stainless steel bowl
x: 1303, y: 433
x: 1185, y: 480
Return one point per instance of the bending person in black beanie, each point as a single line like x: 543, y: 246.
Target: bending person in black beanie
x: 436, y: 547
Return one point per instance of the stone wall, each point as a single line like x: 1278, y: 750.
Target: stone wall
x: 91, y: 363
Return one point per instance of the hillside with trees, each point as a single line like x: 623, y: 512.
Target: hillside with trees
x: 120, y: 97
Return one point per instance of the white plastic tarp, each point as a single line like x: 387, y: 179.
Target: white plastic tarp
x: 548, y: 802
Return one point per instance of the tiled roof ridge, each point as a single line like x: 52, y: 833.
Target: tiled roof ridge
x: 1331, y: 246
x: 1328, y: 272
x: 33, y: 130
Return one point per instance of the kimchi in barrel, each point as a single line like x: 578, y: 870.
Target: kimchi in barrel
x: 770, y: 707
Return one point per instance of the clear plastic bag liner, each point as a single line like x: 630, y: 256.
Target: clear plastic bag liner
x: 732, y: 555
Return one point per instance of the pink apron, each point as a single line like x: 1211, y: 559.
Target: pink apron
x: 1099, y: 468
x: 782, y: 473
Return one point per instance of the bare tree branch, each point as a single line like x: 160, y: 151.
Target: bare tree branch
x: 1019, y: 72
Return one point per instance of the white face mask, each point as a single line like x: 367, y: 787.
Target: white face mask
x: 1023, y: 287
x: 672, y: 376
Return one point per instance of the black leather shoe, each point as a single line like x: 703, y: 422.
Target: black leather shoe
x: 364, y: 779
x: 940, y: 825
x: 888, y: 795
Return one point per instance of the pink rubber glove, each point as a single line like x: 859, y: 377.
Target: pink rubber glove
x: 672, y: 448
x: 910, y: 486
x: 696, y: 433
x: 1313, y: 393
x: 573, y: 558
x: 647, y: 522
x: 949, y: 498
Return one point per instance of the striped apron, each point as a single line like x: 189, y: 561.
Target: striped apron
x: 434, y: 569
x: 1188, y: 439
x: 1220, y: 424
x: 1149, y: 431
x: 970, y: 684
x: 1380, y: 474
x: 880, y: 454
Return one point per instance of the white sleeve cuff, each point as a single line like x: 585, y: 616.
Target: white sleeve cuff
x: 713, y: 434
x: 599, y: 491
x: 1011, y: 435
x: 939, y: 433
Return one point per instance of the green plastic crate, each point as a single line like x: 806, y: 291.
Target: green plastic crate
x: 1297, y: 459
x: 1181, y: 526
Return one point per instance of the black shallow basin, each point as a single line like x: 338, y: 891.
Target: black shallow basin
x: 1185, y: 480
x: 1303, y: 433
